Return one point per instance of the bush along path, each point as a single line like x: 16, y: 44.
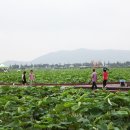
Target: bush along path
x: 57, y: 108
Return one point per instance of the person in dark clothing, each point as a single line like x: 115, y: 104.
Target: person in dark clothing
x: 24, y: 78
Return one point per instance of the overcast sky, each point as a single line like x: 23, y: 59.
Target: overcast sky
x: 31, y: 28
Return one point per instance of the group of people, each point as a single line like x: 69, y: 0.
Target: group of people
x: 31, y: 77
x: 94, y: 78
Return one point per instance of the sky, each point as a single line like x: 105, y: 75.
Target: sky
x: 31, y: 28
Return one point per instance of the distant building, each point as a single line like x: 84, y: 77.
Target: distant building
x: 96, y: 64
x: 71, y: 66
x: 3, y: 68
x: 82, y: 67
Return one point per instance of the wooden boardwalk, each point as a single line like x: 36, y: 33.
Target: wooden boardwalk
x: 111, y: 86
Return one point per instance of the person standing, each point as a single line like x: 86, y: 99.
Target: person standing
x: 105, y: 78
x: 94, y: 79
x: 24, y: 78
x: 31, y: 77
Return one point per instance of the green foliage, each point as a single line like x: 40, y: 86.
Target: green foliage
x: 55, y: 108
x: 60, y: 76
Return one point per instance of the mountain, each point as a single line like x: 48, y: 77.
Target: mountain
x: 83, y: 55
x: 80, y: 56
x: 15, y: 62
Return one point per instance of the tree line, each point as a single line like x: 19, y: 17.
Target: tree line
x: 75, y: 65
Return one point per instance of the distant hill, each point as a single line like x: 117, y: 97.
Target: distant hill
x: 16, y: 62
x: 79, y: 56
x: 84, y: 55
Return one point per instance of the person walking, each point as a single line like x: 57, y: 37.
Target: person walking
x: 24, y: 78
x: 94, y: 79
x: 31, y: 77
x: 105, y: 77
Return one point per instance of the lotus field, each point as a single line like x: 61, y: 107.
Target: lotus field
x: 57, y: 108
x: 60, y: 107
x: 61, y: 76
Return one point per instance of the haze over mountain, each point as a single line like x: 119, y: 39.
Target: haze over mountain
x: 79, y: 56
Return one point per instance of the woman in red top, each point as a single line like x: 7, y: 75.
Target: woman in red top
x: 105, y: 78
